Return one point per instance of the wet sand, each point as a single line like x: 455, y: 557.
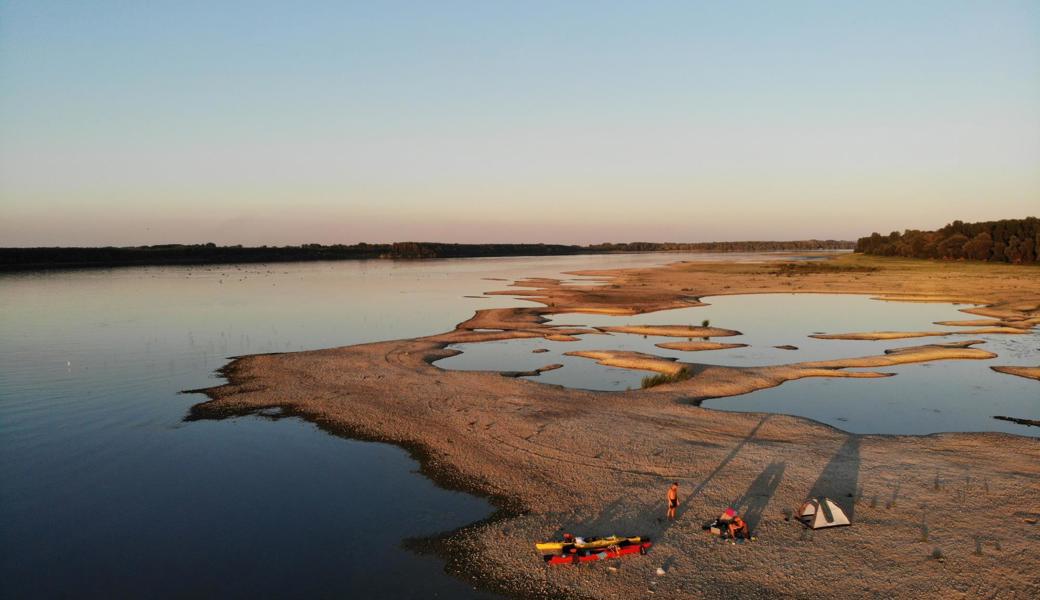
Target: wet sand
x: 899, y: 335
x: 595, y: 463
x: 1027, y: 372
x: 682, y: 331
x: 698, y: 346
x: 1019, y: 324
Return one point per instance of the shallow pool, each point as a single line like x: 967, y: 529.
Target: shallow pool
x: 960, y: 395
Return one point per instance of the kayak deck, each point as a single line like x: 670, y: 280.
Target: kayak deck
x: 572, y: 554
x: 584, y: 555
x: 589, y: 544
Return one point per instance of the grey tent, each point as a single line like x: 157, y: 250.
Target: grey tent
x: 818, y: 513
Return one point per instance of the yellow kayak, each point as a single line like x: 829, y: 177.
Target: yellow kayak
x: 586, y: 544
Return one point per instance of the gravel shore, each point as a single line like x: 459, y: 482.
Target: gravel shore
x: 938, y: 516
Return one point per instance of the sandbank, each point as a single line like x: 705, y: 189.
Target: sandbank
x: 558, y: 459
x: 698, y: 346
x: 1027, y: 372
x: 531, y: 373
x: 898, y: 335
x: 631, y: 360
x: 683, y: 331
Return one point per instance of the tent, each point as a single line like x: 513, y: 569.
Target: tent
x: 818, y: 513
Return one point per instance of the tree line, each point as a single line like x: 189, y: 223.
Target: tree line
x: 192, y: 254
x: 746, y: 246
x: 1014, y: 241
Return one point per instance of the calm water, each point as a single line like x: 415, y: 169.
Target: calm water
x: 920, y: 399
x: 104, y: 490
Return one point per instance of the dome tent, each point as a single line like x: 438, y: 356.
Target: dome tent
x: 818, y: 513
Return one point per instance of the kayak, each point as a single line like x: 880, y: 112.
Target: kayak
x: 588, y: 544
x: 590, y: 555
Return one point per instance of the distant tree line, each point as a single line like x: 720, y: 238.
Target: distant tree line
x: 192, y: 254
x: 748, y: 246
x: 439, y: 250
x: 1010, y: 240
x: 177, y: 254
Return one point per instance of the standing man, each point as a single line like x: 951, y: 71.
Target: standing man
x: 673, y: 499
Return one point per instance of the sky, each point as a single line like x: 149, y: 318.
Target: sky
x: 125, y: 123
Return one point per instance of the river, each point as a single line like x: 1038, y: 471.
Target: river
x: 106, y: 491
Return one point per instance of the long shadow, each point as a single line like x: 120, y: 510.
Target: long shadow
x: 722, y: 465
x: 839, y: 479
x: 753, y: 503
x: 663, y: 525
x: 623, y: 517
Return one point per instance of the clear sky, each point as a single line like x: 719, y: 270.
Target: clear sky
x: 288, y: 122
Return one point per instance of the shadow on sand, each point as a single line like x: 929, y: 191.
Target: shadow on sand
x: 663, y: 526
x: 721, y: 466
x: 623, y: 516
x: 839, y: 479
x: 753, y: 503
x: 626, y: 516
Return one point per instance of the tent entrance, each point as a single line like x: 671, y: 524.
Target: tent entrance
x: 818, y: 513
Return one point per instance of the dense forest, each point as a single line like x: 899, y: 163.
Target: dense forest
x: 1011, y: 240
x: 181, y: 254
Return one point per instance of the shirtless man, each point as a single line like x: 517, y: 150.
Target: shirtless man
x: 739, y: 526
x: 673, y: 499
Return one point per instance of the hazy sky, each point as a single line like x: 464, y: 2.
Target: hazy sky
x: 287, y: 122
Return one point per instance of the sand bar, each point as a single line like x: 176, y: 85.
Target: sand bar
x: 632, y: 360
x: 682, y: 331
x: 1027, y: 372
x: 898, y: 335
x: 698, y: 346
x: 558, y: 459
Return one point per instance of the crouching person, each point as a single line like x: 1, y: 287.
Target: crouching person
x: 738, y: 528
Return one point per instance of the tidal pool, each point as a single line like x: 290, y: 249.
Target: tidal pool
x: 961, y: 395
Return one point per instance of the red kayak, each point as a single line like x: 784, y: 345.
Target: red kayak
x: 574, y: 556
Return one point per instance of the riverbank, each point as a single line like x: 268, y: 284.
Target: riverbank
x: 30, y: 259
x: 598, y: 463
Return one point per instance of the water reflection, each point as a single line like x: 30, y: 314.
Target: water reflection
x: 923, y: 398
x: 103, y: 489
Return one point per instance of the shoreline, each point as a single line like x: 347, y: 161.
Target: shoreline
x: 18, y: 260
x: 485, y: 457
x: 443, y: 475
